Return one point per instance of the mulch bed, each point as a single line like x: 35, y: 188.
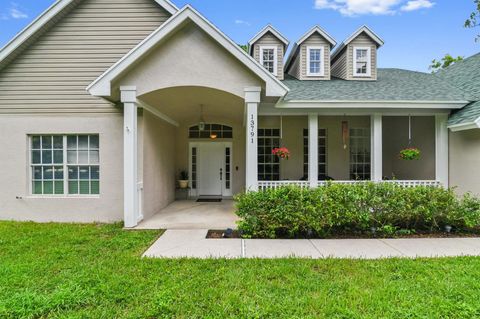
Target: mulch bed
x: 220, y: 234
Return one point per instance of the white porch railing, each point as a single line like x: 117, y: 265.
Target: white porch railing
x: 262, y: 185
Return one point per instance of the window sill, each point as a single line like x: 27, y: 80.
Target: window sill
x: 62, y: 197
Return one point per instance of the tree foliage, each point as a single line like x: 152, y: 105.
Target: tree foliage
x: 473, y: 19
x: 444, y: 62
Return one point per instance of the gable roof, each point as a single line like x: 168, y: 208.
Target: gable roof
x: 52, y: 13
x: 392, y: 85
x: 315, y: 29
x: 271, y: 29
x: 354, y: 35
x: 465, y: 76
x: 102, y: 85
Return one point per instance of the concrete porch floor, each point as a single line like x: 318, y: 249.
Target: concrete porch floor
x: 188, y: 214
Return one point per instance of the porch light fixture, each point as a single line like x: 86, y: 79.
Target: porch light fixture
x: 213, y: 136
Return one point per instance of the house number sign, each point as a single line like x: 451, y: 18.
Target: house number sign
x: 252, y: 129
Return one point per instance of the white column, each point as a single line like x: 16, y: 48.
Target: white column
x: 441, y: 149
x: 252, y: 99
x: 376, y: 164
x: 313, y: 149
x: 130, y: 194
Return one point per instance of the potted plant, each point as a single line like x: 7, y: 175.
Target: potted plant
x: 410, y: 154
x: 281, y: 152
x: 183, y: 181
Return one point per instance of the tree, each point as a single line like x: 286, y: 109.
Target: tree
x: 244, y: 47
x: 473, y: 20
x: 444, y: 62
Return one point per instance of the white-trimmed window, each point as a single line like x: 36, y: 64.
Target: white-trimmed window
x: 360, y: 154
x: 315, y: 63
x: 65, y: 164
x: 269, y: 58
x: 362, y: 60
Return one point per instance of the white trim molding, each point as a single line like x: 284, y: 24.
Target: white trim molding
x: 102, y: 85
x: 315, y: 29
x: 365, y: 104
x: 275, y: 57
x: 465, y: 126
x: 130, y: 157
x: 313, y: 149
x: 441, y: 149
x: 157, y: 113
x: 271, y: 29
x: 376, y: 149
x: 322, y: 60
x: 252, y: 99
x: 352, y: 37
x: 369, y: 62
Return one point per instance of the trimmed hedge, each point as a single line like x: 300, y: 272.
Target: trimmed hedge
x: 293, y: 212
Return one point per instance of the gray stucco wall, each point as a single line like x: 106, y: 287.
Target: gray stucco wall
x: 106, y: 207
x: 159, y: 140
x: 465, y: 161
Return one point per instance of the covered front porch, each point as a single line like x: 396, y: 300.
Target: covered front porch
x: 352, y: 147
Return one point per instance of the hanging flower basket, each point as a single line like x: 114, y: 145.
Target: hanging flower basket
x: 281, y: 152
x: 410, y: 154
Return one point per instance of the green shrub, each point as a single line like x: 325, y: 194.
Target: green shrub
x: 293, y: 212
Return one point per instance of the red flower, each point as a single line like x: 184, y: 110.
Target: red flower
x: 281, y: 152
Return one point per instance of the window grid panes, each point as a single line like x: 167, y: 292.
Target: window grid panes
x: 322, y: 154
x: 53, y: 155
x: 221, y: 131
x: 315, y: 61
x: 227, y: 167
x: 194, y: 167
x: 47, y: 165
x: 361, y: 61
x: 268, y: 164
x: 83, y: 156
x: 268, y: 59
x: 360, y: 154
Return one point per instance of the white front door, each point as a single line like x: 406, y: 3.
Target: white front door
x: 211, y: 169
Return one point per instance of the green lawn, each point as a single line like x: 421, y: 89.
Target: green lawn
x: 95, y: 271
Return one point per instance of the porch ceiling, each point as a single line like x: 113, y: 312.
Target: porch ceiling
x: 182, y: 104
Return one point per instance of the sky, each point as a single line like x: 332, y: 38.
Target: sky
x: 414, y: 31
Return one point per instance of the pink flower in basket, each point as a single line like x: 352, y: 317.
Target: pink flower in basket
x: 281, y: 152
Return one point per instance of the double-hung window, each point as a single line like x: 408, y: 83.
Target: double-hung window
x: 65, y: 164
x: 315, y: 65
x: 361, y: 61
x: 268, y: 58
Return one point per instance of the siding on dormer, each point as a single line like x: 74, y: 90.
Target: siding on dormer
x: 342, y: 66
x: 268, y: 39
x: 315, y: 40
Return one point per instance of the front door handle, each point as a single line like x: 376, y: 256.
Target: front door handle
x: 221, y: 174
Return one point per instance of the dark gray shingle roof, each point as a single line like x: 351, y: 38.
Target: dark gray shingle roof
x: 391, y: 85
x: 466, y: 76
x: 468, y: 114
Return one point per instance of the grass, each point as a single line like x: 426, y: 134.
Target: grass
x: 95, y: 271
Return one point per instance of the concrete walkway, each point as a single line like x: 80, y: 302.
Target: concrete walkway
x: 193, y: 244
x: 188, y: 214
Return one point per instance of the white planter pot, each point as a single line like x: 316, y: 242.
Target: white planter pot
x: 183, y: 184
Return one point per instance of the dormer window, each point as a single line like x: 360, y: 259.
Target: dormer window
x: 268, y: 58
x: 315, y: 63
x: 361, y: 61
